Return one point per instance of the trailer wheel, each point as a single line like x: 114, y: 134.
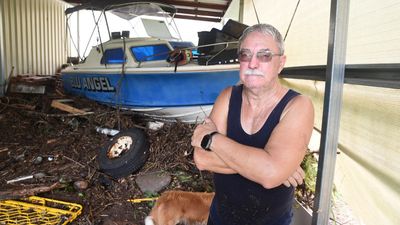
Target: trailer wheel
x: 124, y: 154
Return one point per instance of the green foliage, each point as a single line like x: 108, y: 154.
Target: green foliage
x: 184, y: 177
x: 305, y: 192
x: 310, y: 167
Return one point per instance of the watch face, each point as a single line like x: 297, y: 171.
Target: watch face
x: 204, y: 141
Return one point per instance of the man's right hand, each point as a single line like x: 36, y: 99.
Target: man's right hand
x: 296, y: 178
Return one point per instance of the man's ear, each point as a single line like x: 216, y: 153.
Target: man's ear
x: 282, y: 62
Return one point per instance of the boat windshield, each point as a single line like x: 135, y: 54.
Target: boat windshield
x: 150, y: 52
x: 113, y: 56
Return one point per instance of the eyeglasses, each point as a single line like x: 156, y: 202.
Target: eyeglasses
x: 264, y: 55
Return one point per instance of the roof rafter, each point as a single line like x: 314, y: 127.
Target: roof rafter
x: 197, y: 4
x: 210, y: 19
x: 200, y: 12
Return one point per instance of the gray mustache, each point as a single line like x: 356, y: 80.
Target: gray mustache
x: 253, y: 72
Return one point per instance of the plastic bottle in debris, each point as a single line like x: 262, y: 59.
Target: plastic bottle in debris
x: 107, y: 131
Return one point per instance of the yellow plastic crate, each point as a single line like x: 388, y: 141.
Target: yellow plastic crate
x: 37, y: 210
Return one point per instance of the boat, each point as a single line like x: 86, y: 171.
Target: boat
x: 164, y: 78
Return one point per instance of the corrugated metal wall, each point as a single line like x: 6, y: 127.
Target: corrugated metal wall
x: 367, y: 168
x: 367, y: 171
x: 373, y: 36
x: 33, y: 36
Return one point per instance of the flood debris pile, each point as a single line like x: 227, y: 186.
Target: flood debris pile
x: 48, y: 152
x: 170, y: 148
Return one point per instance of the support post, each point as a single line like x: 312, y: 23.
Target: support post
x: 2, y: 61
x: 241, y: 10
x: 78, y: 36
x: 332, y: 108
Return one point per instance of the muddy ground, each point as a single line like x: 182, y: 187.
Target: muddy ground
x: 68, y: 146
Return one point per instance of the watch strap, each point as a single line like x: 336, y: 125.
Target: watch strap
x: 210, y: 135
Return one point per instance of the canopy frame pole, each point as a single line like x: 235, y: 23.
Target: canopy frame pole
x: 336, y: 60
x: 108, y: 28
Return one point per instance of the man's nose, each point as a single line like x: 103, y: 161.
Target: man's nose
x: 253, y: 63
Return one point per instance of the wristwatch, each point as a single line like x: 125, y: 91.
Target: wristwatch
x: 206, y: 141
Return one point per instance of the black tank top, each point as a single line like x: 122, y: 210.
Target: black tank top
x: 239, y: 201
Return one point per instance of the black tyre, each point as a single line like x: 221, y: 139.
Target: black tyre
x: 125, y: 153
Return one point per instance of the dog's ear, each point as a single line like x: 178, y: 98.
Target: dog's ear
x: 149, y: 220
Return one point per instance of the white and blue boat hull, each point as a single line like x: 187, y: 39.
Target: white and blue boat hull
x: 186, y: 95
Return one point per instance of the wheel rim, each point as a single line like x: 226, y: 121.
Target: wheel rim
x: 120, y: 147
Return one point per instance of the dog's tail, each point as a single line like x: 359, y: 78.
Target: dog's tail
x: 149, y: 220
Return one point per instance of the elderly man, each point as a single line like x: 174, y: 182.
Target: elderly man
x: 255, y: 137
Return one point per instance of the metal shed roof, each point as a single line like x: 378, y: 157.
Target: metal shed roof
x: 206, y: 10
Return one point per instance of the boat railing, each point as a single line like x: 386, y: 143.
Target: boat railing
x: 215, y: 55
x: 192, y: 48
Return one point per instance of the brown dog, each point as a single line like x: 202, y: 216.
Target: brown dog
x: 175, y: 207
